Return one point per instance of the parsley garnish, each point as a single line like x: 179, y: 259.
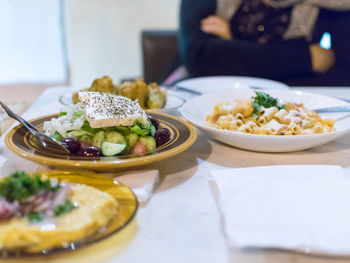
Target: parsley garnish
x: 35, y: 217
x: 64, y: 208
x: 20, y: 186
x: 263, y: 99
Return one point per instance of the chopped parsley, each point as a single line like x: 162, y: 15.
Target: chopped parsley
x: 20, y: 185
x: 263, y: 99
x: 35, y: 217
x: 66, y: 207
x: 62, y: 113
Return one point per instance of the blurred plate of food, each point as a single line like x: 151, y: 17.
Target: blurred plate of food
x: 55, y: 211
x: 150, y: 96
x: 104, y: 132
x: 226, y: 83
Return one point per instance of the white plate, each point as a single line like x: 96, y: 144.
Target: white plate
x: 173, y: 101
x: 194, y: 111
x: 224, y: 83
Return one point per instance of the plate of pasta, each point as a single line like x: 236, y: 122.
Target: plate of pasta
x: 269, y: 121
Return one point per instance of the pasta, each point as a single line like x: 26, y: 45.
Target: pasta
x: 268, y: 118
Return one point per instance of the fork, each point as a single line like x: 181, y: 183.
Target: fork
x: 195, y: 92
x: 44, y: 141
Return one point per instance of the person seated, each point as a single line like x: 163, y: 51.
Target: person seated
x: 275, y: 39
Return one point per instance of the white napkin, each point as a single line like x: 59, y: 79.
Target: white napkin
x: 141, y: 182
x: 302, y: 207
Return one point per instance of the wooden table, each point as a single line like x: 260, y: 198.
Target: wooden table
x: 181, y: 222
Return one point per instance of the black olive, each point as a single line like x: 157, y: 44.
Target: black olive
x: 161, y: 136
x: 154, y: 121
x: 72, y: 144
x: 91, y: 151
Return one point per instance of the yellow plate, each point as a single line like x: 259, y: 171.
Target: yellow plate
x: 127, y: 208
x: 182, y: 136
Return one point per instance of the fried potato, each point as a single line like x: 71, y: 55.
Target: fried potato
x: 157, y: 98
x: 149, y: 96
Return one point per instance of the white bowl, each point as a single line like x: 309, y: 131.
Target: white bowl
x: 196, y: 110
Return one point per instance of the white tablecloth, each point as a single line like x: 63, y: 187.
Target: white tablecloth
x: 181, y: 222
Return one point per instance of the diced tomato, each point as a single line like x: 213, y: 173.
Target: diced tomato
x: 139, y: 148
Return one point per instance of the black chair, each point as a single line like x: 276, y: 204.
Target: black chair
x: 160, y: 54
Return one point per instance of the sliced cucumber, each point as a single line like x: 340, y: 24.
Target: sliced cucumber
x: 86, y: 138
x: 78, y: 133
x: 149, y: 142
x: 123, y: 130
x: 114, y: 137
x: 132, y: 139
x: 98, y: 139
x: 111, y: 149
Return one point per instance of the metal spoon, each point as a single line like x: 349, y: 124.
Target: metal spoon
x: 42, y: 139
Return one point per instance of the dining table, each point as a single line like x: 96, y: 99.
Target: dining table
x: 181, y: 222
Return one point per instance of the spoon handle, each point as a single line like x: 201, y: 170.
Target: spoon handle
x: 30, y: 127
x: 333, y: 109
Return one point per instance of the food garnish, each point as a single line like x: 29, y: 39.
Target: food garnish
x: 20, y: 186
x: 64, y: 208
x: 33, y: 197
x: 35, y: 217
x: 262, y: 99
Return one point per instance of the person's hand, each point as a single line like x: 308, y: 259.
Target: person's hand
x: 322, y: 59
x: 216, y: 26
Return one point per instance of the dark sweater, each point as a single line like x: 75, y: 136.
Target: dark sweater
x: 288, y: 60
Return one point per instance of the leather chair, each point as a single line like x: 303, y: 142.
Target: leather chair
x: 160, y: 54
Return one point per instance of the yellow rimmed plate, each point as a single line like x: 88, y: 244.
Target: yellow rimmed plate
x: 182, y: 136
x: 126, y: 211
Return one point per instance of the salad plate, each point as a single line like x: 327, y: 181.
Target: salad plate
x: 127, y: 207
x: 173, y: 101
x: 196, y: 114
x: 182, y: 136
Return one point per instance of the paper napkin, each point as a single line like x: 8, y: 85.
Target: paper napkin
x: 141, y: 182
x: 303, y: 207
